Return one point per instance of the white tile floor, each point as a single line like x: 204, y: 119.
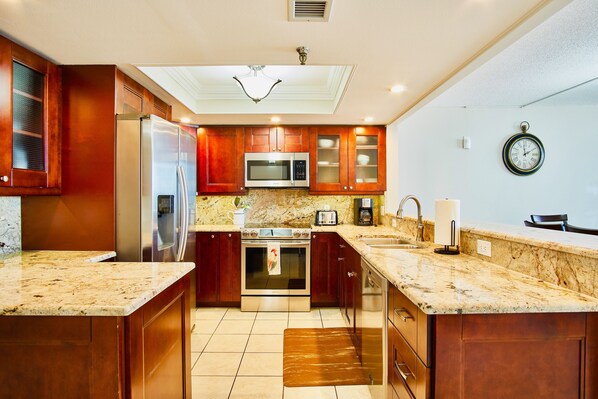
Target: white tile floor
x: 238, y: 355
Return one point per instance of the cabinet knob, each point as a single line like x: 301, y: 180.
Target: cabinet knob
x: 212, y: 235
x: 313, y: 236
x: 345, y: 187
x: 273, y: 149
x: 229, y: 235
x: 341, y: 259
x: 351, y: 274
x: 242, y: 188
x: 350, y: 187
x: 280, y: 149
x: 4, y: 179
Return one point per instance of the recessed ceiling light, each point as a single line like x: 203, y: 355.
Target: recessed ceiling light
x: 397, y: 89
x: 185, y: 120
x: 368, y: 119
x: 275, y: 119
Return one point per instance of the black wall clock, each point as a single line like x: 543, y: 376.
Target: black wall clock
x: 523, y: 153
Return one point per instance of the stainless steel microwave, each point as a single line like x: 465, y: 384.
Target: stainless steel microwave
x: 276, y: 169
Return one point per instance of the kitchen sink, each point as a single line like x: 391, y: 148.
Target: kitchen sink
x: 388, y: 243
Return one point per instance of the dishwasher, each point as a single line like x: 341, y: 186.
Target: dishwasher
x: 374, y: 288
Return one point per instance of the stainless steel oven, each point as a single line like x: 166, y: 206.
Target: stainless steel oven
x: 284, y: 288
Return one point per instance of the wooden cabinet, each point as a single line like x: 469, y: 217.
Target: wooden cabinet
x: 221, y: 165
x: 83, y: 217
x: 146, y: 354
x: 29, y: 122
x: 218, y: 269
x: 133, y: 98
x: 324, y: 269
x: 491, y: 356
x: 347, y: 160
x: 350, y: 291
x: 276, y: 139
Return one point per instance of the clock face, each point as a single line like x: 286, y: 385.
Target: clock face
x: 523, y: 154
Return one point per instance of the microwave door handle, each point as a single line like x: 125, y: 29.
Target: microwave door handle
x: 292, y: 169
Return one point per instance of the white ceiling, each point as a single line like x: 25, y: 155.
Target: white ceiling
x: 540, y: 68
x: 419, y: 44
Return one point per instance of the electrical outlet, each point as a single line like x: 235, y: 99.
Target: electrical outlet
x: 393, y: 222
x: 484, y: 248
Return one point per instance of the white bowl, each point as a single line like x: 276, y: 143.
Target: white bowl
x: 363, y: 159
x: 325, y: 143
x: 361, y: 139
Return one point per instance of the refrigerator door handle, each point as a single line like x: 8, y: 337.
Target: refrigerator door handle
x: 182, y: 212
x: 186, y: 214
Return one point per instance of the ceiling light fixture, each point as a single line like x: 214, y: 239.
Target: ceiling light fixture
x: 275, y: 119
x: 256, y: 84
x: 184, y: 119
x: 368, y: 119
x: 302, y: 50
x: 397, y: 89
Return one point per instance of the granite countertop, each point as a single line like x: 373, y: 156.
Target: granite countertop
x: 70, y: 283
x: 443, y: 284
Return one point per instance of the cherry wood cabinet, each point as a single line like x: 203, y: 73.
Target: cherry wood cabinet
x: 527, y: 356
x: 30, y: 130
x: 83, y: 216
x: 221, y: 167
x: 277, y: 139
x: 349, y: 282
x: 133, y: 98
x: 141, y: 356
x: 324, y: 269
x: 347, y: 160
x: 218, y: 269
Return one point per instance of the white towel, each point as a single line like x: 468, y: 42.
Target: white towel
x: 274, y: 258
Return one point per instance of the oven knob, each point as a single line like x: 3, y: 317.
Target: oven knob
x: 254, y: 233
x: 305, y: 234
x: 296, y: 234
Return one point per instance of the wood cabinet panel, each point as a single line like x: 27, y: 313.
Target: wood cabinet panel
x: 324, y: 269
x: 230, y: 267
x: 260, y: 139
x: 276, y: 139
x: 328, y: 165
x: 218, y: 268
x: 221, y: 164
x: 30, y: 161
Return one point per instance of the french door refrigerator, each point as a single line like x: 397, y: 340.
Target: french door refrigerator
x: 156, y: 173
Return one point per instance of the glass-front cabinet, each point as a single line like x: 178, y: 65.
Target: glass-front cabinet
x: 346, y: 159
x: 29, y: 122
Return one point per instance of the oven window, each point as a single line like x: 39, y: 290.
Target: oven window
x: 292, y: 277
x: 268, y: 170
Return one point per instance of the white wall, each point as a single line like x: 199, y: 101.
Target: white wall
x: 431, y: 164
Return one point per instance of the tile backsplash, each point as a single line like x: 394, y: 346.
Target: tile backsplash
x: 289, y: 206
x: 10, y: 224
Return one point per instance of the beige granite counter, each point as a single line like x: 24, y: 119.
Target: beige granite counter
x: 69, y: 283
x: 442, y: 284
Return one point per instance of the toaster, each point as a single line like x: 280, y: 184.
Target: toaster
x: 326, y: 218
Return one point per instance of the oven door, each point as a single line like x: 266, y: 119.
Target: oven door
x: 294, y: 263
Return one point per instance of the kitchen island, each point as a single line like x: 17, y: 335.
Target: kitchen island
x: 74, y: 327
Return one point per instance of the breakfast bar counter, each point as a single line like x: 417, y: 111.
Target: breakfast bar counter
x: 72, y: 326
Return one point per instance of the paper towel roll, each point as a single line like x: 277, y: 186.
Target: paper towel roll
x: 447, y: 210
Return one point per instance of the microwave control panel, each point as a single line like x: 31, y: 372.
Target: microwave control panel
x: 300, y: 170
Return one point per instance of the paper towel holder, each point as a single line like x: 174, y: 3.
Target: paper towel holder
x: 447, y: 250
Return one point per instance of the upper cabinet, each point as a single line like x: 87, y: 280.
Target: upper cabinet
x: 276, y: 139
x: 29, y: 122
x: 220, y: 155
x: 347, y: 160
x: 133, y: 98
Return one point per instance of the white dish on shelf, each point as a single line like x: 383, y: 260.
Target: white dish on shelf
x: 363, y: 159
x: 371, y: 180
x: 325, y: 143
x: 358, y: 180
x: 323, y: 163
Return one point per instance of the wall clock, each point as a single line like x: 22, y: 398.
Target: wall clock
x: 523, y: 153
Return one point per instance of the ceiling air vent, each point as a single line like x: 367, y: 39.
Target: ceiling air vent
x: 309, y: 10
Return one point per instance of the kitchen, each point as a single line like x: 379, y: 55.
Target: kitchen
x: 411, y: 166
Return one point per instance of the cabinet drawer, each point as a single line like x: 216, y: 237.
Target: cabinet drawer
x: 405, y: 368
x: 402, y: 393
x: 404, y: 315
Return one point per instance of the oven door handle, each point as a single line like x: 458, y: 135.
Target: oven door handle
x: 283, y: 244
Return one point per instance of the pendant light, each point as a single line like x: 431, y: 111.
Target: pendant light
x: 256, y: 84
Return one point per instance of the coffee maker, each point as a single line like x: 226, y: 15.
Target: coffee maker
x: 364, y: 211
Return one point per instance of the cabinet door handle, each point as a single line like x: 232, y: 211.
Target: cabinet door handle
x: 4, y: 179
x: 404, y: 374
x: 341, y: 259
x: 351, y: 274
x: 341, y: 246
x: 403, y: 314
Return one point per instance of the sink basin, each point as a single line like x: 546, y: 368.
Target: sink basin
x: 388, y: 243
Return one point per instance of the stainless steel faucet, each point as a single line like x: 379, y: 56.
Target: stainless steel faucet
x: 420, y: 224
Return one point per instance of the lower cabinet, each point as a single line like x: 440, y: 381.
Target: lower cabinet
x: 324, y: 269
x: 218, y: 269
x: 141, y: 356
x: 529, y: 356
x: 350, y: 291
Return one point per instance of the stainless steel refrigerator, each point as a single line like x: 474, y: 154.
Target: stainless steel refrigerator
x: 156, y: 173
